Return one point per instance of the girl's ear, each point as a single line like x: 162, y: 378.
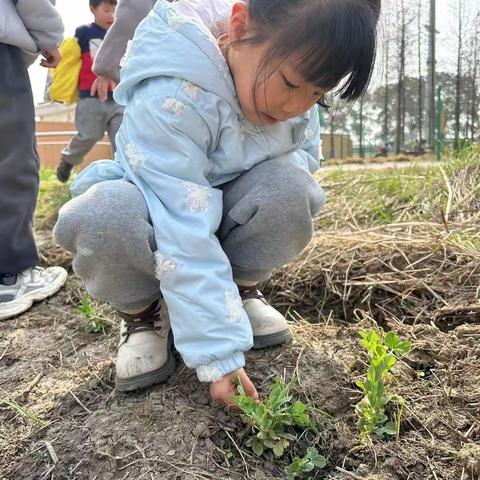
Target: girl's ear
x: 238, y: 25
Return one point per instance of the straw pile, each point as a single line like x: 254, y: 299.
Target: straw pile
x: 422, y: 266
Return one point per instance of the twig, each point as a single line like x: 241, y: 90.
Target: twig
x: 51, y: 451
x: 79, y: 402
x: 240, y: 452
x: 32, y: 385
x: 349, y: 474
x: 5, y: 351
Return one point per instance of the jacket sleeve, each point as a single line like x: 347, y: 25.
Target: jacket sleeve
x: 164, y: 144
x: 128, y: 15
x: 310, y: 153
x: 42, y: 21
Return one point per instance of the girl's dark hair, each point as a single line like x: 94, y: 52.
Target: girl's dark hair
x: 97, y: 3
x: 334, y: 40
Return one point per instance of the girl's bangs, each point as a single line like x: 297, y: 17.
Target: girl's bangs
x: 338, y: 43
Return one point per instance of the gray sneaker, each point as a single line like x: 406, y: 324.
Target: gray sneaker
x: 18, y: 292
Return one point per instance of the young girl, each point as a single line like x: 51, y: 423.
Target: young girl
x: 211, y: 187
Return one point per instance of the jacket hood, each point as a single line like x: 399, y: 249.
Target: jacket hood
x: 179, y: 40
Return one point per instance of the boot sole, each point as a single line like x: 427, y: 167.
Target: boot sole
x: 265, y: 341
x: 24, y: 303
x: 160, y: 375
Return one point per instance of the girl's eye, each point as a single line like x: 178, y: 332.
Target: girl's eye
x: 287, y: 83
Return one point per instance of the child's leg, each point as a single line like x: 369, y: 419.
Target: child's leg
x: 108, y: 231
x: 114, y: 120
x: 91, y: 123
x: 21, y: 281
x: 18, y: 164
x: 267, y: 221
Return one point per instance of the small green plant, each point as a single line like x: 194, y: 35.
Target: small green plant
x: 302, y: 465
x: 23, y: 411
x: 95, y: 323
x: 382, y: 352
x: 271, y: 419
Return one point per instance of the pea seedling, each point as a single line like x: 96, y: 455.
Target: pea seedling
x: 301, y: 466
x: 95, y: 324
x: 382, y: 352
x: 271, y: 419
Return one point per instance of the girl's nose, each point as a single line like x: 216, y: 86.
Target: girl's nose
x: 297, y: 106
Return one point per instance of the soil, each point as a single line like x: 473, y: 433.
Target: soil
x: 80, y: 427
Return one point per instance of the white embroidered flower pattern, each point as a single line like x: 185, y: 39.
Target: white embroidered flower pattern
x: 126, y: 55
x: 173, y: 106
x: 234, y: 305
x: 309, y: 134
x: 164, y: 266
x: 190, y: 89
x: 198, y: 197
x: 175, y: 19
x: 135, y: 159
x: 205, y: 373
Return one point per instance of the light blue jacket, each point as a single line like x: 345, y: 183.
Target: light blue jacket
x: 183, y: 136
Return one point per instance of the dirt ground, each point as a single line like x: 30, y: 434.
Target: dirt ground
x: 76, y: 426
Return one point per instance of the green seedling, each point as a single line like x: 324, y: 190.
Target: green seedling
x: 95, y: 323
x: 382, y: 353
x: 303, y: 465
x: 273, y: 420
x: 23, y: 411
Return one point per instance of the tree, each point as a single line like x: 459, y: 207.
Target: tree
x: 459, y: 36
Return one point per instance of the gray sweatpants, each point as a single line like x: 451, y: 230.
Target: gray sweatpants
x: 267, y: 220
x: 18, y: 164
x: 92, y: 119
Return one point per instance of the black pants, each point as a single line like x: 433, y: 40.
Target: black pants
x: 19, y: 166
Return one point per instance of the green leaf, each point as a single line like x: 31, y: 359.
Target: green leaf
x: 278, y: 449
x: 390, y: 361
x: 390, y: 428
x: 391, y: 340
x: 298, y: 408
x: 318, y: 460
x: 308, y: 467
x: 403, y: 347
x: 257, y: 446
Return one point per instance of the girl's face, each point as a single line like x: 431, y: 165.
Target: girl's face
x: 281, y: 95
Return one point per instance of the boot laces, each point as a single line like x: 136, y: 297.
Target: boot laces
x: 246, y: 293
x: 149, y: 321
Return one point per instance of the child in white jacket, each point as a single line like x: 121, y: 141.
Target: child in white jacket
x: 27, y: 28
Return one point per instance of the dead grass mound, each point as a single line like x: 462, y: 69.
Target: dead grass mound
x: 416, y: 270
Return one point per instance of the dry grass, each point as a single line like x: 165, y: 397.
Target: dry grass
x: 390, y: 159
x: 403, y: 244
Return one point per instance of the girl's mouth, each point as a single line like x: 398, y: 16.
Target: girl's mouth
x: 269, y: 119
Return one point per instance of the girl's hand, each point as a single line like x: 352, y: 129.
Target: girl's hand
x: 100, y: 86
x: 224, y: 390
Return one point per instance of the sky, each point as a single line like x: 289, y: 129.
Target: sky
x: 77, y: 12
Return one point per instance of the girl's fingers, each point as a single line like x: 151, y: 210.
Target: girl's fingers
x: 248, y: 386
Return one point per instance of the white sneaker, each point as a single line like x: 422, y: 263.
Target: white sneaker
x: 144, y: 352
x: 269, y: 326
x: 32, y: 285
